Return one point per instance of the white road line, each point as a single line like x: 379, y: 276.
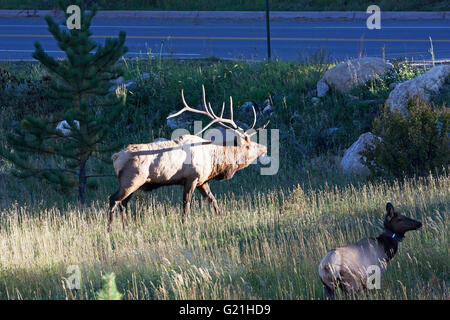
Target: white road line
x: 137, y: 53
x: 237, y: 27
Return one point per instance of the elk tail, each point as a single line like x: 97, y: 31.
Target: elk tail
x: 119, y: 159
x: 115, y: 156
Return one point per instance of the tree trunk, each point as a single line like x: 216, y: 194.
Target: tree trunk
x: 82, y: 183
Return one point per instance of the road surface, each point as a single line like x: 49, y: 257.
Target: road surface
x: 291, y: 40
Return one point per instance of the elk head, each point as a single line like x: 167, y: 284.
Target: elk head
x: 245, y: 151
x: 398, y: 223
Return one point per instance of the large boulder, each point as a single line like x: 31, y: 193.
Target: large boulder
x: 351, y: 162
x: 419, y: 87
x: 350, y: 74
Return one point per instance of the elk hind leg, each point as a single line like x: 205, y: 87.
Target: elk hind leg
x: 205, y: 191
x: 113, y: 203
x: 189, y: 187
x: 123, y: 210
x: 329, y: 292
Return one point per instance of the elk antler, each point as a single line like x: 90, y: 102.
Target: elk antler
x: 209, y: 112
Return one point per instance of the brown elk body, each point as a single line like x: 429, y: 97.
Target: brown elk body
x: 189, y: 161
x: 347, y: 267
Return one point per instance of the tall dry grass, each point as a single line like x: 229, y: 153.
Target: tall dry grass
x: 267, y: 245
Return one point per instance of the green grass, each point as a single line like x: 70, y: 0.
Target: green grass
x: 267, y: 245
x: 275, y: 229
x: 242, y: 5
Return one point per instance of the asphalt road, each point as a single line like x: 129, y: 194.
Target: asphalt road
x: 291, y: 40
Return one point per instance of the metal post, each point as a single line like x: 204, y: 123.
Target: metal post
x: 268, y: 29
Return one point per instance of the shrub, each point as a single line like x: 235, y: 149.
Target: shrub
x: 411, y: 145
x: 402, y: 71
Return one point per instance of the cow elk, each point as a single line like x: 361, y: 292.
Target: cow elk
x: 348, y: 267
x: 189, y: 161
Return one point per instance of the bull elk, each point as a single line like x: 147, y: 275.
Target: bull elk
x: 348, y: 267
x: 189, y: 161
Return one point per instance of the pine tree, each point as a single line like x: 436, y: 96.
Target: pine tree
x: 80, y: 84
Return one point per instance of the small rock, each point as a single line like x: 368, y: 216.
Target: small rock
x: 64, y: 127
x: 160, y: 139
x: 130, y: 85
x: 322, y: 88
x: 351, y: 161
x: 118, y: 81
x: 268, y: 110
x: 315, y: 99
x: 247, y: 107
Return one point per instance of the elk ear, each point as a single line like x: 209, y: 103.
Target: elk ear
x: 390, y: 213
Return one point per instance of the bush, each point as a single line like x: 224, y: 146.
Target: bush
x: 402, y: 71
x: 410, y: 146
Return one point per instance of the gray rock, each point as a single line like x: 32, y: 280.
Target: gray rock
x: 268, y: 110
x: 322, y: 88
x: 64, y: 127
x: 118, y: 81
x: 419, y: 87
x: 160, y: 139
x: 348, y: 75
x: 315, y: 99
x: 351, y: 162
x: 131, y: 84
x: 247, y: 107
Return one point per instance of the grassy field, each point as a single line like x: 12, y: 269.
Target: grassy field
x: 242, y: 5
x: 275, y: 229
x: 267, y: 245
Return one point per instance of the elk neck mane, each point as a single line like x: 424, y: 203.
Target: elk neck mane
x: 225, y: 160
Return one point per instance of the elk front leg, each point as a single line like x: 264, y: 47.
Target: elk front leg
x: 123, y: 210
x: 206, y: 193
x: 329, y: 292
x: 130, y: 182
x: 189, y: 188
